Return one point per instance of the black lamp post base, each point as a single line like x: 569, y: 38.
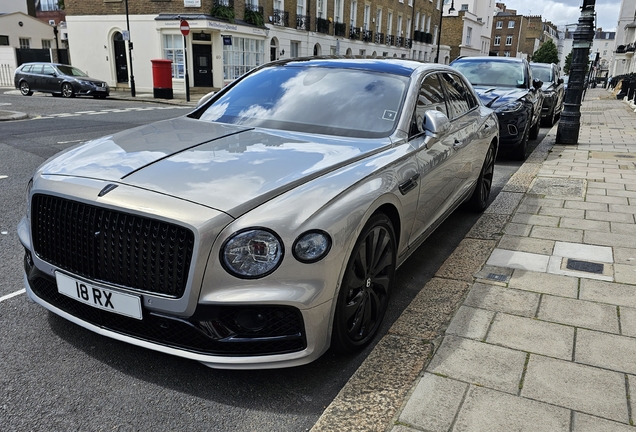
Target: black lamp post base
x: 569, y: 127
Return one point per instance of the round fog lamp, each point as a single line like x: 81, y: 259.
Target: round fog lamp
x: 312, y: 246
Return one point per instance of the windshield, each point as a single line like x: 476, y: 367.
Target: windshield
x: 347, y: 102
x: 71, y: 71
x: 542, y: 73
x: 492, y: 73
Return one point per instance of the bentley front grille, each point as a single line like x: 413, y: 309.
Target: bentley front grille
x: 111, y: 246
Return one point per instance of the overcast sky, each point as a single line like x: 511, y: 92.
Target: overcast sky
x: 567, y: 11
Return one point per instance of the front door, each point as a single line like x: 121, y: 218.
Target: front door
x: 121, y: 63
x: 202, y: 65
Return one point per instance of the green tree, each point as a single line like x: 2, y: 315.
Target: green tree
x: 568, y: 64
x: 547, y: 53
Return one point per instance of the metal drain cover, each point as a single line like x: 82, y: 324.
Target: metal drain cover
x: 585, y: 266
x: 497, y: 277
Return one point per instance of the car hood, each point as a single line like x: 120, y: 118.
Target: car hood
x: 549, y: 86
x: 494, y: 97
x: 225, y: 167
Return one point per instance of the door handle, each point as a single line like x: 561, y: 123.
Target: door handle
x: 409, y: 184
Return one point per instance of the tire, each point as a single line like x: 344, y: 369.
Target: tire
x: 478, y: 201
x: 67, y: 90
x: 534, y: 131
x: 25, y: 89
x: 549, y: 121
x: 366, y: 287
x: 521, y: 152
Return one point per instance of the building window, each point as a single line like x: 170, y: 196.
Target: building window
x: 242, y: 56
x: 511, y: 24
x: 508, y: 40
x: 173, y: 50
x: 411, y: 3
x: 4, y: 40
x: 300, y: 7
x: 389, y: 23
x: 506, y: 53
x: 497, y: 40
x: 399, y: 26
x: 25, y: 43
x: 367, y: 16
x: 353, y: 13
x: 464, y: 7
x: 46, y: 43
x: 469, y: 35
x: 378, y: 21
x: 339, y: 11
x: 321, y: 11
x: 499, y: 24
x: 47, y: 5
x: 294, y: 49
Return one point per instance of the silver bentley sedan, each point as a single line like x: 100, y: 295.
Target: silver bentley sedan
x: 267, y: 225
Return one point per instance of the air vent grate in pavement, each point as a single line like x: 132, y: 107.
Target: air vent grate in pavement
x: 585, y: 266
x: 497, y: 277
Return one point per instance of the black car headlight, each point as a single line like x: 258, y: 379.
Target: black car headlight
x: 510, y: 107
x: 311, y: 246
x: 86, y: 83
x: 252, y: 253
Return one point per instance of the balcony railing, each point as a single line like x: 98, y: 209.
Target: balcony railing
x: 322, y: 25
x: 253, y: 7
x: 280, y: 18
x: 428, y: 38
x: 390, y: 40
x: 408, y: 43
x: 399, y: 41
x: 367, y: 36
x: 303, y: 22
x: 354, y: 33
x: 339, y: 29
x: 379, y: 38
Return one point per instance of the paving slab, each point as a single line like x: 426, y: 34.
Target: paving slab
x: 434, y: 403
x: 562, y: 234
x: 500, y: 299
x: 546, y: 283
x: 583, y: 252
x: 578, y: 387
x: 526, y: 244
x: 587, y: 423
x: 609, y: 239
x: 532, y: 335
x: 487, y: 410
x: 605, y: 350
x: 519, y: 260
x: 625, y: 274
x: 517, y: 229
x: 607, y: 292
x: 579, y: 313
x: 470, y: 323
x: 609, y: 217
x: 479, y: 363
x: 532, y: 219
x: 628, y: 322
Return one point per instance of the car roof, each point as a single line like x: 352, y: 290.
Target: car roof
x: 491, y: 58
x: 386, y: 65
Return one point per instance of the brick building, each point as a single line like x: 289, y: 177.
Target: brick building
x: 468, y: 29
x: 229, y: 37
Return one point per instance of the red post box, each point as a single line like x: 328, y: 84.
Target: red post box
x: 162, y: 78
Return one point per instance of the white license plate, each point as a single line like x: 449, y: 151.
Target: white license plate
x: 99, y: 297
x: 101, y: 89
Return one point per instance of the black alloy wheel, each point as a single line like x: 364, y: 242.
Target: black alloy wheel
x: 366, y: 287
x: 67, y: 90
x: 25, y: 89
x: 478, y: 201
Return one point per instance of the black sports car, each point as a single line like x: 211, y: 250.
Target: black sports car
x: 505, y: 84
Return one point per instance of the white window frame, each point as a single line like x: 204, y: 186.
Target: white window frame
x: 417, y: 21
x: 378, y: 21
x: 366, y: 19
x: 469, y: 35
x: 511, y: 24
x: 321, y: 8
x: 46, y: 44
x: 338, y: 11
x: 352, y: 14
x: 509, y: 40
x: 300, y: 7
x: 279, y: 5
x: 399, y: 26
x: 497, y: 40
x: 499, y: 25
x: 294, y: 49
x: 172, y: 49
x: 389, y: 23
x: 242, y: 56
x: 408, y: 27
x: 506, y: 53
x: 25, y: 43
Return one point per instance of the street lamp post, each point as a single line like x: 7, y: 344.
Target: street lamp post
x: 130, y: 48
x: 439, y: 32
x: 570, y: 123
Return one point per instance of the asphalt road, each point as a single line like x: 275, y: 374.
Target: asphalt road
x: 58, y: 376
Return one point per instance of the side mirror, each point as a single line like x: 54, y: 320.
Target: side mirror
x: 560, y: 81
x: 435, y: 122
x: 537, y: 83
x: 205, y: 98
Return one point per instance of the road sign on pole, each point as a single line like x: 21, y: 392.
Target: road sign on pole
x: 185, y: 27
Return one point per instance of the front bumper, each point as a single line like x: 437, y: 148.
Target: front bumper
x: 91, y: 90
x: 511, y: 129
x: 211, y: 336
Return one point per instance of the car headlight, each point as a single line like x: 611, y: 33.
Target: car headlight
x: 87, y: 83
x: 28, y: 200
x: 510, y: 107
x: 252, y: 253
x: 312, y: 246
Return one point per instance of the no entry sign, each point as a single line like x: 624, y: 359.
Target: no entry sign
x: 185, y: 27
